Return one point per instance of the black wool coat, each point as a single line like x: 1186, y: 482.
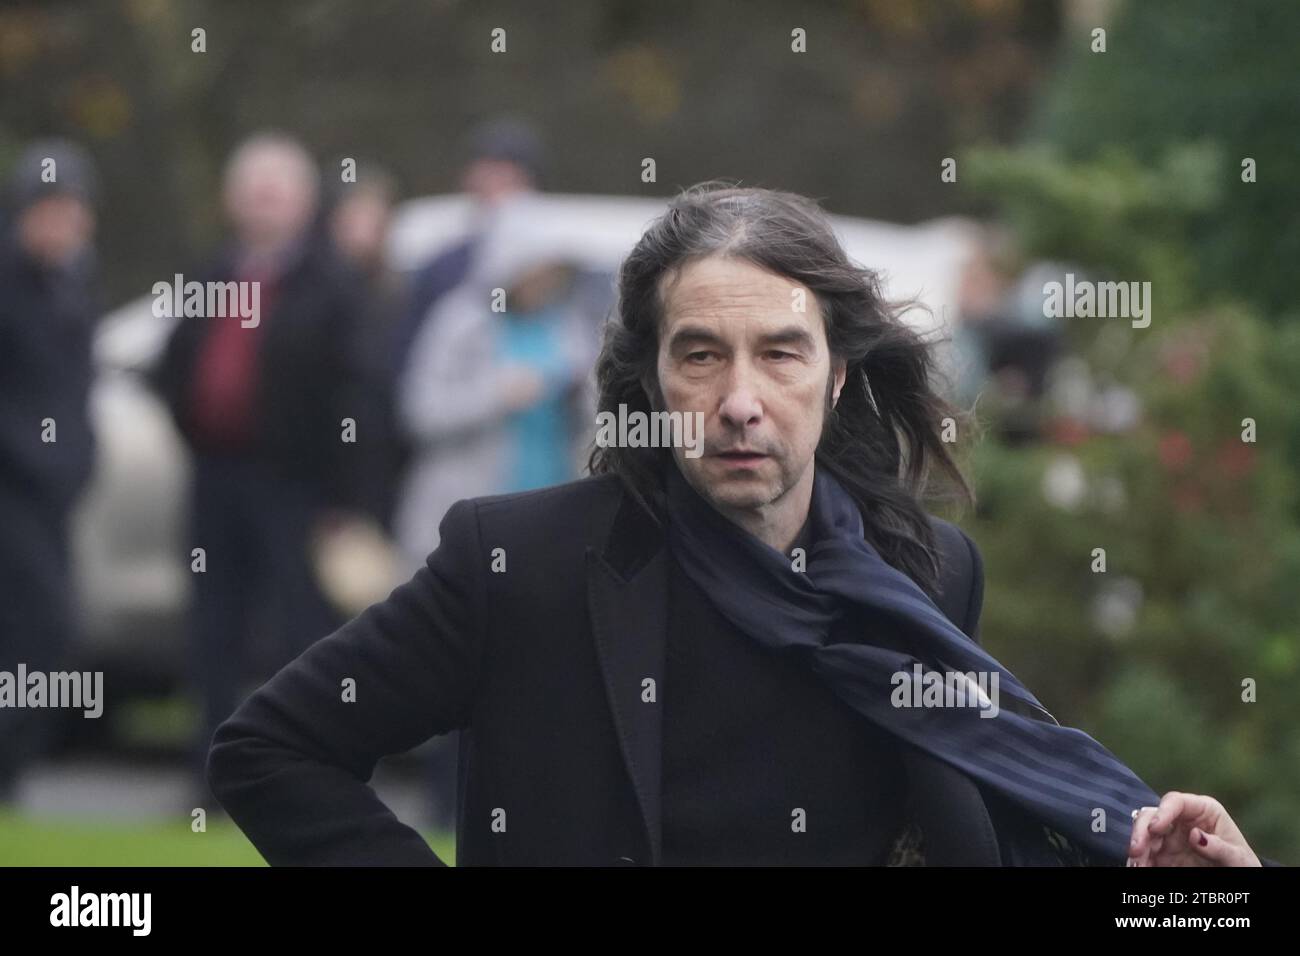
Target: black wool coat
x: 540, y: 663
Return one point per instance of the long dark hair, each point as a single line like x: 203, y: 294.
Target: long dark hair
x: 882, y: 440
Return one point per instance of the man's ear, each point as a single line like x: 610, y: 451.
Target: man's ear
x: 839, y: 369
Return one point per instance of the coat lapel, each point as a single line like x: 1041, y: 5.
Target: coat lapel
x: 627, y: 590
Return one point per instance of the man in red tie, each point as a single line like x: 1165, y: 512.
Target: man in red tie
x: 264, y: 407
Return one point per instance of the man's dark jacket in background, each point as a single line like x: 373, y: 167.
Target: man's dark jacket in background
x: 47, y: 320
x: 311, y: 373
x: 47, y: 451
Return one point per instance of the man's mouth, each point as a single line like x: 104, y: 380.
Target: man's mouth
x: 742, y: 458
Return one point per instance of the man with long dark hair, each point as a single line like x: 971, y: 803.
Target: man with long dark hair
x: 709, y: 652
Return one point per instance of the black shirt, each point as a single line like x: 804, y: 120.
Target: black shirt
x: 750, y: 738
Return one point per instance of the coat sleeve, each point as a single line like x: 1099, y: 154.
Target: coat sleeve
x: 293, y: 763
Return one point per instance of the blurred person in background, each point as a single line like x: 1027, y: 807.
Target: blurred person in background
x: 492, y: 401
x: 357, y: 222
x: 261, y: 407
x: 504, y: 160
x: 479, y: 382
x: 1005, y: 343
x: 47, y: 313
x: 543, y: 330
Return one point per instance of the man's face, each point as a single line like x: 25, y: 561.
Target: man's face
x: 359, y: 226
x: 492, y: 180
x: 270, y: 196
x: 54, y: 230
x: 735, y: 346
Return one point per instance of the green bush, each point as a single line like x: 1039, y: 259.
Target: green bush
x: 1132, y: 173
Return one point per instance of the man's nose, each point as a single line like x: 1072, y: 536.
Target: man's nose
x: 740, y: 402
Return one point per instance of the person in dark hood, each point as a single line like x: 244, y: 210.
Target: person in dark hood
x: 47, y: 312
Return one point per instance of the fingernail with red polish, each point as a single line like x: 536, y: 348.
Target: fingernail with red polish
x: 1204, y: 839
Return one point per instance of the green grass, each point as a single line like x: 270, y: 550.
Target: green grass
x: 45, y: 841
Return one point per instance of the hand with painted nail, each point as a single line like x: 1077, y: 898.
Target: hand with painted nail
x: 1187, y: 829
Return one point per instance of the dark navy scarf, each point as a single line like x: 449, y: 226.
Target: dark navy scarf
x: 1057, y: 775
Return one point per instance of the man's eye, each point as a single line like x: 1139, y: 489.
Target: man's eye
x: 698, y: 357
x: 778, y: 354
